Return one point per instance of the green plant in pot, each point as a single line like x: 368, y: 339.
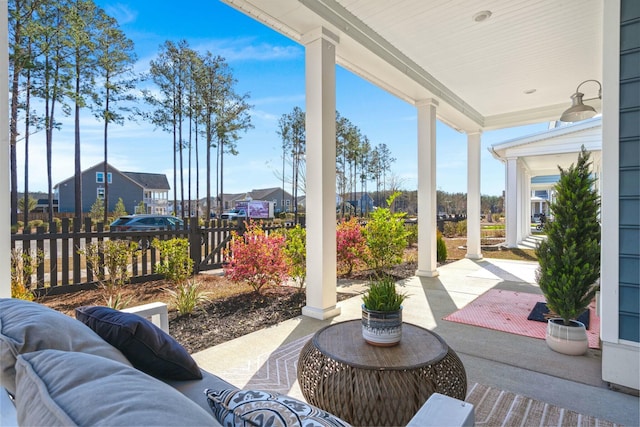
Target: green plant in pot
x: 570, y: 256
x: 382, y: 313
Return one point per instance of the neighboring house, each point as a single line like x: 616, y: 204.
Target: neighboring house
x: 131, y: 187
x: 283, y: 201
x: 362, y: 202
x: 532, y: 165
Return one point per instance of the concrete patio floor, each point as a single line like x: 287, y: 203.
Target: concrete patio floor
x: 505, y: 361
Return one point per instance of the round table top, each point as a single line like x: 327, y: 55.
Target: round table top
x: 343, y: 342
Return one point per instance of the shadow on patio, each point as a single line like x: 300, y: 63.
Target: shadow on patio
x: 502, y: 368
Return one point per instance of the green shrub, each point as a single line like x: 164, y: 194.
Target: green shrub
x: 35, y: 223
x: 23, y: 265
x: 295, y: 252
x: 441, y: 247
x: 108, y: 260
x: 461, y: 228
x: 176, y: 265
x: 386, y: 237
x: 412, y: 234
x: 449, y: 229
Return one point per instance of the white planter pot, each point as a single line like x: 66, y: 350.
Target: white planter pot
x: 571, y: 340
x: 381, y: 328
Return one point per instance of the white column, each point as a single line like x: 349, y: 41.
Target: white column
x: 473, y: 196
x: 5, y: 198
x: 320, y: 74
x: 526, y: 215
x: 511, y: 203
x: 520, y: 198
x: 427, y: 205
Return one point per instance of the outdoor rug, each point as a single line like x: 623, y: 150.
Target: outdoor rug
x: 494, y: 407
x: 507, y: 311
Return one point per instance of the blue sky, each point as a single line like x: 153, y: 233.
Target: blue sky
x: 270, y: 68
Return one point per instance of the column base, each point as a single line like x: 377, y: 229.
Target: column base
x: 475, y: 257
x: 319, y: 313
x: 427, y: 273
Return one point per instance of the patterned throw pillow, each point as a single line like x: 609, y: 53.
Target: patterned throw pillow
x: 262, y: 408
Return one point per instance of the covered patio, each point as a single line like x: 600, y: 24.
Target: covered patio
x: 512, y: 379
x: 477, y: 67
x: 539, y: 156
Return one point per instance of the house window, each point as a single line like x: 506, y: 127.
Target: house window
x: 287, y: 202
x: 100, y: 193
x: 100, y: 177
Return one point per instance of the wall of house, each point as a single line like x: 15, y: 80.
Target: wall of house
x: 120, y: 186
x: 620, y: 269
x: 630, y: 171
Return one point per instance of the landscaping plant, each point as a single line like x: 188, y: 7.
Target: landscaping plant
x: 441, y: 248
x: 188, y: 296
x: 176, y: 264
x: 350, y: 245
x: 108, y: 261
x: 570, y: 256
x: 256, y: 258
x: 23, y: 265
x: 295, y: 252
x: 386, y: 237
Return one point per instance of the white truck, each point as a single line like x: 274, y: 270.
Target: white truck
x: 252, y: 209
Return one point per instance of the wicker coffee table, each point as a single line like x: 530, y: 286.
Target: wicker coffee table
x: 383, y: 386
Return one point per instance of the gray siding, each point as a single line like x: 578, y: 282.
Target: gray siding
x: 629, y: 314
x: 120, y: 186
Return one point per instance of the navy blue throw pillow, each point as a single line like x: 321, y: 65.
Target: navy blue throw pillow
x: 147, y: 347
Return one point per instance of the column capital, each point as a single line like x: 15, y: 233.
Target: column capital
x: 319, y: 33
x: 474, y: 132
x: 427, y: 102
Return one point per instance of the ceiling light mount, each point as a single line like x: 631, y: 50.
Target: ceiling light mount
x: 482, y: 16
x: 578, y: 110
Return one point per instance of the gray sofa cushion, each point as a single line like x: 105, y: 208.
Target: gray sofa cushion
x: 147, y: 347
x: 193, y: 389
x: 65, y: 388
x: 27, y: 326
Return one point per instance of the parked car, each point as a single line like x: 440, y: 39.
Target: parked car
x: 234, y: 214
x: 146, y: 222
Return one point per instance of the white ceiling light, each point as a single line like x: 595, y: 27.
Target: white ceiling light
x: 482, y: 16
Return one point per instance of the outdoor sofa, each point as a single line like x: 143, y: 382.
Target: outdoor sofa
x: 62, y: 371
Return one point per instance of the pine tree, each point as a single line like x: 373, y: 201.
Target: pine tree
x: 570, y: 257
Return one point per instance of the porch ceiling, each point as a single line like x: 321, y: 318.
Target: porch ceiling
x: 478, y: 71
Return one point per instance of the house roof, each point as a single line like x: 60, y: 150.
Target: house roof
x: 543, y: 152
x: 519, y: 66
x: 150, y: 181
x: 153, y: 181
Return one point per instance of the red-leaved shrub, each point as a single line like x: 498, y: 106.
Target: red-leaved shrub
x: 256, y: 258
x: 351, y: 245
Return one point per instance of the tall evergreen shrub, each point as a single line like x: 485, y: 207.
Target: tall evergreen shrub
x: 570, y: 257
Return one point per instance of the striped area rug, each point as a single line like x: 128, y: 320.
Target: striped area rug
x: 495, y: 407
x: 277, y: 371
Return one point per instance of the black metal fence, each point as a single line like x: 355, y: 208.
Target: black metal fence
x: 64, y: 267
